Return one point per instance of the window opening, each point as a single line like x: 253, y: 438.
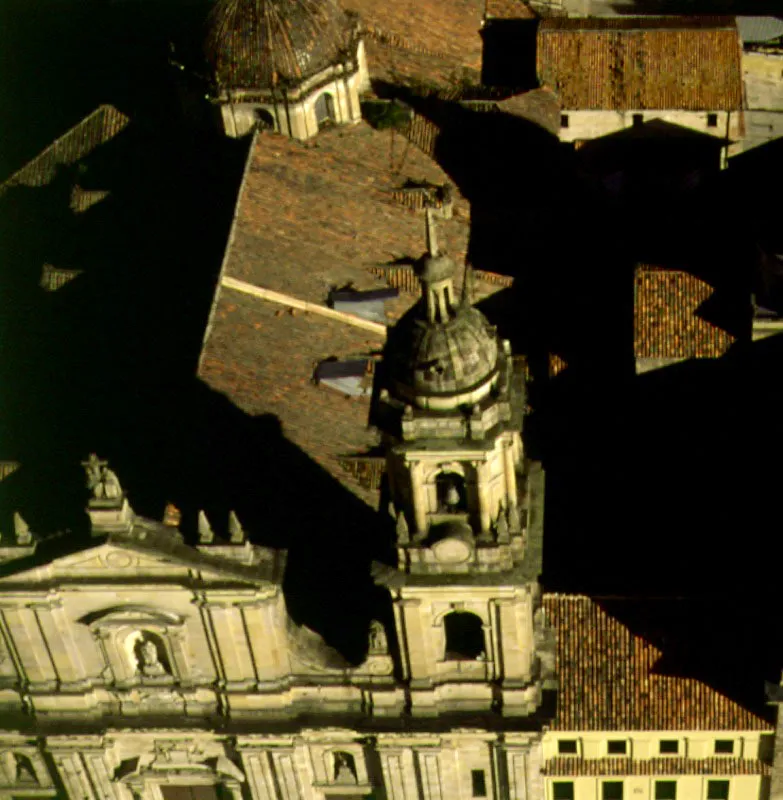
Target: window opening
x: 563, y: 790
x: 479, y: 781
x: 617, y: 747
x: 724, y: 746
x: 612, y: 790
x: 665, y: 790
x: 669, y: 747
x: 717, y: 790
x: 452, y: 497
x: 712, y: 120
x: 567, y: 747
x: 464, y: 636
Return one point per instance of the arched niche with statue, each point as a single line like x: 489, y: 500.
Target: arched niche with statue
x: 141, y: 644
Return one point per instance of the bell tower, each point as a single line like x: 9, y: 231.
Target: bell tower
x: 467, y: 505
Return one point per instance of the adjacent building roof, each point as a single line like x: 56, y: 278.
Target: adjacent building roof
x: 75, y: 144
x: 608, y: 681
x: 683, y: 63
x: 311, y: 218
x: 760, y: 30
x: 666, y: 320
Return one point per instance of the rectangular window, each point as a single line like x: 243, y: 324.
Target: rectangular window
x: 563, y: 790
x: 564, y: 120
x: 617, y: 747
x: 479, y: 780
x: 567, y: 747
x: 668, y: 747
x: 724, y: 747
x: 712, y: 120
x: 717, y: 790
x: 665, y: 790
x: 612, y: 790
x: 638, y: 119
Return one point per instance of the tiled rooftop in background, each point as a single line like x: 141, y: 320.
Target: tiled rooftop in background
x: 666, y: 322
x: 687, y: 63
x: 446, y: 27
x: 96, y: 129
x: 608, y: 680
x: 508, y: 9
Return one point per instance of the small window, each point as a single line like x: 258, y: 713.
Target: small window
x: 724, y: 747
x: 617, y: 747
x: 464, y: 636
x: 564, y: 120
x: 612, y: 790
x: 712, y: 120
x: 563, y: 790
x: 717, y: 790
x: 638, y: 119
x: 668, y: 747
x: 479, y: 781
x: 567, y: 747
x: 665, y: 790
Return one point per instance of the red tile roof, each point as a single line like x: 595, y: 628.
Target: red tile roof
x: 666, y: 323
x: 311, y: 217
x: 508, y: 9
x: 683, y: 63
x: 608, y: 680
x: 564, y: 767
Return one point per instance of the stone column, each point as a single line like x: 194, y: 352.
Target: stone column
x: 30, y: 645
x: 258, y: 769
x: 269, y: 652
x: 482, y: 493
x: 511, y: 474
x: 515, y: 623
x: 416, y: 639
x: 417, y: 495
x: 232, y: 643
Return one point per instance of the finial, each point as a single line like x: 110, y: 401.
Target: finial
x: 235, y: 530
x: 172, y: 516
x: 432, y: 234
x: 205, y: 533
x: 21, y: 530
x: 101, y: 481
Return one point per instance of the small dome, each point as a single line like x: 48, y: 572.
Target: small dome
x: 452, y: 358
x: 258, y: 44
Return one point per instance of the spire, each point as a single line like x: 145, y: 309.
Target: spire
x: 235, y: 530
x: 432, y: 233
x: 436, y: 273
x: 205, y: 533
x: 21, y: 530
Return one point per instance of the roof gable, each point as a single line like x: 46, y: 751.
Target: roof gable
x: 144, y: 552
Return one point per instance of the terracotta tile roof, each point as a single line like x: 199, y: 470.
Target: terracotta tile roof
x: 564, y: 767
x: 687, y: 63
x: 508, y: 9
x: 263, y: 358
x: 446, y: 27
x: 608, y: 680
x: 666, y: 322
x: 94, y: 130
x: 409, y: 67
x: 309, y: 218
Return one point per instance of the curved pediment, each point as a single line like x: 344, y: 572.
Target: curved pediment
x: 131, y: 614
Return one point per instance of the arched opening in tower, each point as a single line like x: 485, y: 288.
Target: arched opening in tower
x: 264, y: 120
x: 324, y: 110
x: 452, y: 497
x: 464, y: 636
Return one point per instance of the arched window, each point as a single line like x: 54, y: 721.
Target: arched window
x: 324, y: 110
x: 264, y: 119
x: 344, y: 767
x: 452, y: 498
x: 464, y: 637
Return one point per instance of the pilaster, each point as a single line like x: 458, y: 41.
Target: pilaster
x: 30, y: 645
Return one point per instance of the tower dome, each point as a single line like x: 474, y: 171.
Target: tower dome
x: 260, y: 44
x: 441, y: 354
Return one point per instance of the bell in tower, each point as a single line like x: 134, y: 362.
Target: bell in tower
x: 467, y: 503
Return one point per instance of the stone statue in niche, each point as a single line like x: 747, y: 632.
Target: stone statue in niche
x: 149, y: 659
x: 344, y: 768
x: 101, y: 481
x: 378, y: 642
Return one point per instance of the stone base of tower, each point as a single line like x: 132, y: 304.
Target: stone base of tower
x: 450, y: 698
